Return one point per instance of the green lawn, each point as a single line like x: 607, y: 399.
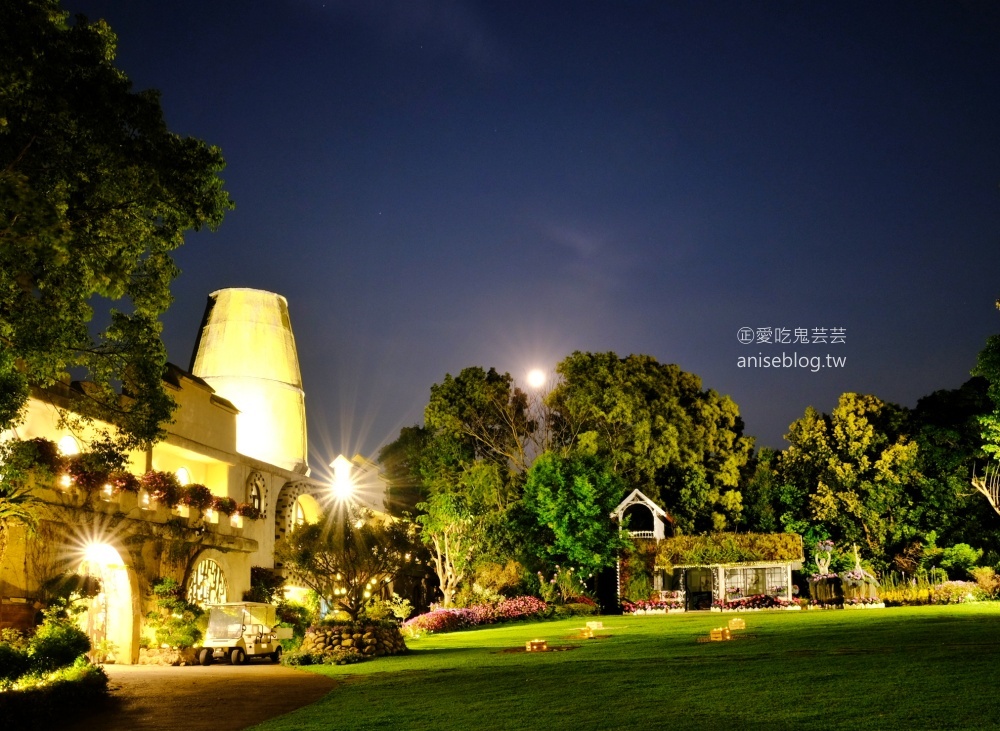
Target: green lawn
x: 911, y: 668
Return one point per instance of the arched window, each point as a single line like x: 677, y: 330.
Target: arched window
x: 255, y: 490
x: 305, y: 510
x: 183, y: 476
x: 207, y: 584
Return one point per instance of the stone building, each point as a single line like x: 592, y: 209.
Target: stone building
x: 239, y: 429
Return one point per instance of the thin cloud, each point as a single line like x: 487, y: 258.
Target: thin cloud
x: 444, y: 26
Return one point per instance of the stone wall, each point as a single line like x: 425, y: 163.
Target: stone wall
x: 370, y: 640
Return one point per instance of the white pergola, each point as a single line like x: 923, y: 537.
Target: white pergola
x: 660, y: 517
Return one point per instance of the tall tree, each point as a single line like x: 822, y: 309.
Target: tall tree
x: 567, y: 505
x: 402, y: 462
x: 946, y: 426
x: 447, y: 528
x: 656, y: 427
x: 343, y: 557
x: 859, y: 469
x: 95, y: 192
x: 485, y: 413
x: 988, y: 367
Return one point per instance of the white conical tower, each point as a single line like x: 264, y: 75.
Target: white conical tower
x: 246, y: 352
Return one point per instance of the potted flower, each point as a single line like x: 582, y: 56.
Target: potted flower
x: 248, y: 511
x: 225, y: 505
x: 163, y: 487
x: 86, y: 472
x: 122, y: 481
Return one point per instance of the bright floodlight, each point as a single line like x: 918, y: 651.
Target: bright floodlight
x: 343, y: 486
x: 536, y: 378
x: 100, y: 554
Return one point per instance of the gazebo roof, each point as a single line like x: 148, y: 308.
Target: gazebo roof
x: 637, y: 498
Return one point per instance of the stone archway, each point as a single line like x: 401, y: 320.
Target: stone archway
x: 296, y: 500
x: 111, y: 619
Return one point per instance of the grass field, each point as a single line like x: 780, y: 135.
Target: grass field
x: 907, y: 668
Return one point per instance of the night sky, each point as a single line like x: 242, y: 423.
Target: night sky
x: 435, y: 185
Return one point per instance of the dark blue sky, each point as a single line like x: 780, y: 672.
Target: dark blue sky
x: 438, y: 184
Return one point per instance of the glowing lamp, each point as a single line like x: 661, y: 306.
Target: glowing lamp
x: 343, y: 486
x: 100, y: 554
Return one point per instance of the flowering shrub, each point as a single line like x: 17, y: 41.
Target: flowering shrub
x: 953, y: 592
x: 857, y: 576
x: 820, y: 577
x: 439, y: 620
x: 757, y: 601
x: 225, y: 505
x: 163, y: 487
x: 521, y: 607
x: 861, y: 601
x: 987, y: 581
x: 123, y: 482
x: 86, y: 471
x: 564, y: 584
x: 248, y: 511
x: 897, y: 591
x: 652, y: 604
x: 197, y: 496
x: 448, y: 620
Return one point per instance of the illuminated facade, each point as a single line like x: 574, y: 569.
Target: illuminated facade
x: 239, y: 431
x: 246, y: 352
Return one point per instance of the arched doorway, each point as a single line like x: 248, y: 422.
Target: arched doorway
x: 296, y: 504
x: 110, y: 619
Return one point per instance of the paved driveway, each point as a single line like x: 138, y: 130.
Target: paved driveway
x: 217, y: 698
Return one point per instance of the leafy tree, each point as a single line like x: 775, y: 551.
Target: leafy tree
x: 486, y: 416
x: 658, y: 430
x: 344, y: 556
x: 95, y: 192
x: 18, y: 502
x: 946, y: 426
x: 402, y: 462
x: 859, y: 469
x: 266, y: 585
x: 988, y: 367
x: 447, y: 529
x: 567, y: 505
x: 762, y: 495
x: 958, y: 560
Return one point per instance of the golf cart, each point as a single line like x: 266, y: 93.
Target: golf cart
x: 238, y: 630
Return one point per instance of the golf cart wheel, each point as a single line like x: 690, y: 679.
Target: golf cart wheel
x: 276, y: 655
x: 205, y: 656
x: 237, y: 656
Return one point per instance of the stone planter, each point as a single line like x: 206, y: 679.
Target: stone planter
x: 167, y: 656
x: 127, y: 501
x: 372, y: 641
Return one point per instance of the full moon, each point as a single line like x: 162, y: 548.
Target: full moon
x: 536, y: 378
